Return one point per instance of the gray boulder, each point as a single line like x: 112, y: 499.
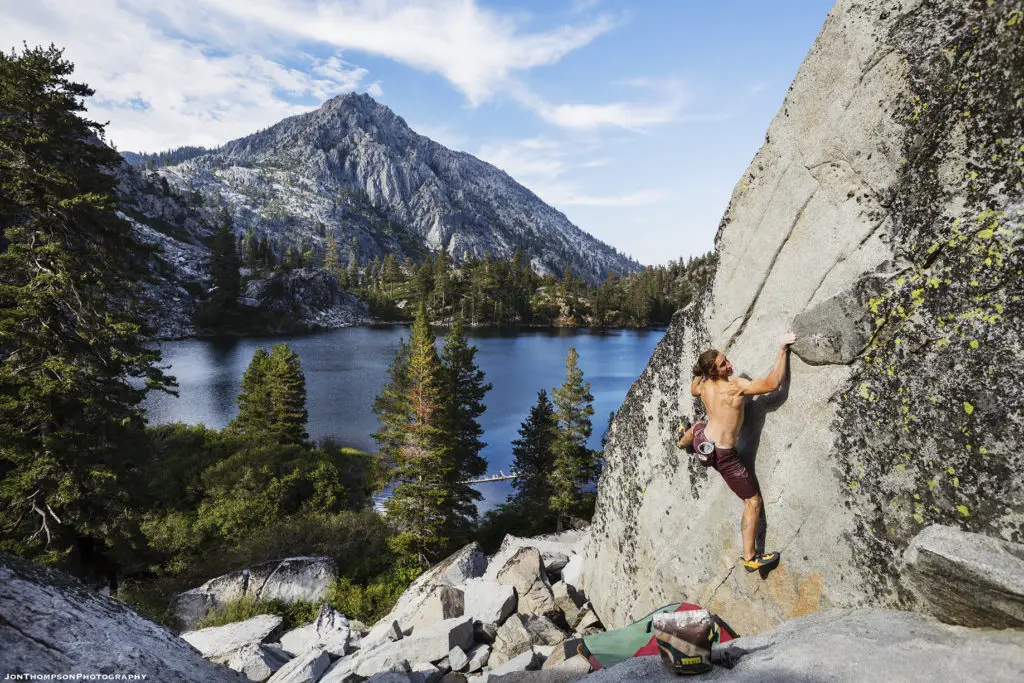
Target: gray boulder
x: 306, y: 668
x: 851, y: 645
x: 523, y: 632
x: 967, y: 579
x: 462, y: 565
x: 568, y: 670
x: 426, y: 672
x: 290, y: 579
x: 51, y: 623
x: 220, y: 641
x: 525, y: 572
x: 478, y: 657
x: 555, y: 550
x: 527, y: 660
x: 428, y: 645
x: 438, y: 603
x: 457, y: 659
x: 329, y: 632
x: 566, y: 601
x: 489, y: 601
x: 255, y: 662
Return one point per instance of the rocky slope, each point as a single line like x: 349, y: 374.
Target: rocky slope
x: 515, y: 617
x: 355, y: 169
x: 882, y: 219
x: 179, y: 229
x: 51, y: 624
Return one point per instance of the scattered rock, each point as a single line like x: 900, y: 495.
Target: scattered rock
x: 254, y: 661
x: 521, y: 662
x: 565, y: 601
x: 427, y: 671
x: 329, y: 632
x: 438, y: 603
x: 525, y: 572
x: 478, y: 657
x: 520, y: 633
x: 457, y: 659
x: 967, y: 579
x: 306, y: 668
x: 221, y: 641
x: 462, y: 565
x: 555, y: 550
x: 489, y: 601
x: 428, y: 645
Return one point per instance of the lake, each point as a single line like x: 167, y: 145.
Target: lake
x: 346, y: 368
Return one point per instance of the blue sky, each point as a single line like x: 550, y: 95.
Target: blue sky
x: 635, y: 119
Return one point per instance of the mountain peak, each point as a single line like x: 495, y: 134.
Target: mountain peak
x: 354, y: 168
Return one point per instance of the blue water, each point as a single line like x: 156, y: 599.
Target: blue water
x: 345, y: 369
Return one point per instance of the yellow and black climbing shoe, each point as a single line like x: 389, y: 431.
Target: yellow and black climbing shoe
x: 760, y: 561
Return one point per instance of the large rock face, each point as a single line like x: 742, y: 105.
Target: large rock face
x: 882, y: 218
x: 51, y: 624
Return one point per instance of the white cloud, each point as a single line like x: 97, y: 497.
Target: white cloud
x: 476, y: 49
x: 547, y: 167
x: 159, y: 89
x: 173, y: 72
x: 634, y: 116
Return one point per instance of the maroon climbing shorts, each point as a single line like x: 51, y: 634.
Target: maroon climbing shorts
x: 728, y: 464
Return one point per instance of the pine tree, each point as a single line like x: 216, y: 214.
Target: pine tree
x: 251, y: 248
x: 331, y: 262
x: 393, y: 408
x: 464, y: 390
x: 575, y: 465
x: 288, y: 395
x: 420, y: 506
x: 224, y: 264
x: 71, y: 330
x: 272, y: 402
x: 352, y: 272
x: 254, y: 403
x: 534, y: 455
x: 391, y: 274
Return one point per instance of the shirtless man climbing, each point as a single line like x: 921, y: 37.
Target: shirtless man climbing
x: 723, y: 399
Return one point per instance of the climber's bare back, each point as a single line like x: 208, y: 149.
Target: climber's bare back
x: 723, y: 401
x: 723, y: 395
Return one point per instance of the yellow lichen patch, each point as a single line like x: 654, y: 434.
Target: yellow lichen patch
x: 968, y: 408
x: 962, y: 509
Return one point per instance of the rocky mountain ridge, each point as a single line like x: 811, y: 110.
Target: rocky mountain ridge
x: 354, y: 169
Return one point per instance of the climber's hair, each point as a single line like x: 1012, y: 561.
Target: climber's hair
x: 705, y: 366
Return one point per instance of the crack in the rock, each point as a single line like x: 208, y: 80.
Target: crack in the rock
x: 843, y: 259
x: 768, y: 272
x: 848, y: 165
x: 720, y: 584
x: 43, y: 643
x: 874, y: 60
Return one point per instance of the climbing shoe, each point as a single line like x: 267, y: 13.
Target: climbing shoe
x: 760, y: 560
